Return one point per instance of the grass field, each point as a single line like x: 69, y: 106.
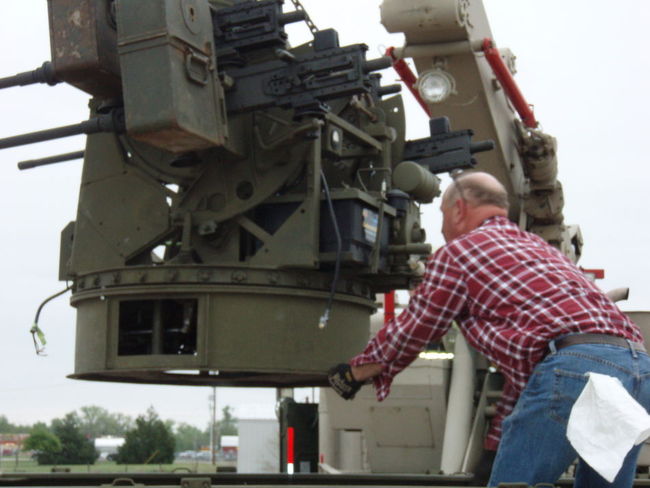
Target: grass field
x: 10, y: 465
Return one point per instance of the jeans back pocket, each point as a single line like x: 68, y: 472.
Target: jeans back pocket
x: 567, y: 386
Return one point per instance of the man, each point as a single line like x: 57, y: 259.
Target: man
x: 531, y: 312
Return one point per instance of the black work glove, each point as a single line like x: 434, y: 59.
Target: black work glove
x: 342, y: 382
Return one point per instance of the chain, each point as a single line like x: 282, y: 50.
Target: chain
x: 308, y: 21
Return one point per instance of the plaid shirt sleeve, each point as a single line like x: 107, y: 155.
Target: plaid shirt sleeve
x: 437, y: 301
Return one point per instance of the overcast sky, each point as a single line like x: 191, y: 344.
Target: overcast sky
x: 582, y: 63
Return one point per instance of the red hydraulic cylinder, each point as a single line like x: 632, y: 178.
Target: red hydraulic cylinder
x: 407, y: 77
x: 508, y: 83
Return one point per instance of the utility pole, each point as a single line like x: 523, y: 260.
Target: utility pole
x: 213, y: 426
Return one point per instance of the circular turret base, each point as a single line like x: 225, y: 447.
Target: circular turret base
x: 189, y: 325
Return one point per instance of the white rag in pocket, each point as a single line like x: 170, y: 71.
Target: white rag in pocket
x: 605, y: 423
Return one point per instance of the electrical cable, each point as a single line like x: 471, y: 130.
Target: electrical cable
x: 37, y: 333
x: 339, y: 249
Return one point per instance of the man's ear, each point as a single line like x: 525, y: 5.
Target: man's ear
x: 460, y: 210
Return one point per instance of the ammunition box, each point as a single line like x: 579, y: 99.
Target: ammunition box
x: 172, y: 95
x: 83, y: 40
x: 360, y: 230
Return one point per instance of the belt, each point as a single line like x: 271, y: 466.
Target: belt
x: 573, y: 339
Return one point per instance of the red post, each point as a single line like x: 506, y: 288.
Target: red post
x: 290, y: 449
x: 389, y: 306
x: 508, y: 83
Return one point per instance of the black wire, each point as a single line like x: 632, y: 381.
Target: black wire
x: 339, y: 249
x: 35, y: 330
x: 49, y: 299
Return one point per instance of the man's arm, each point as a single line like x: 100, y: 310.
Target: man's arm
x: 366, y: 371
x: 428, y: 315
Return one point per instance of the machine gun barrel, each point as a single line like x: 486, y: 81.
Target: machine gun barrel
x: 377, y: 64
x: 291, y: 17
x: 59, y: 158
x: 481, y: 146
x: 112, y: 122
x: 44, y: 74
x: 389, y: 90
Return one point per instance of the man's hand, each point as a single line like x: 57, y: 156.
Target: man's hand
x: 342, y: 382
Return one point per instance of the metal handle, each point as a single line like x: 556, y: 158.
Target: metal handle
x: 192, y: 59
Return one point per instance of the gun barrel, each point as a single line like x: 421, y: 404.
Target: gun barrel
x: 481, y: 146
x: 102, y: 123
x: 414, y: 248
x: 41, y: 135
x: 389, y: 90
x: 44, y: 74
x: 59, y: 158
x: 377, y: 64
x: 292, y: 17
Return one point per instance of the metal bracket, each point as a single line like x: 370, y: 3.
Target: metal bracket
x: 122, y: 482
x: 196, y: 483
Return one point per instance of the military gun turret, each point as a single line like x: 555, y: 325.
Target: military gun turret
x: 236, y: 193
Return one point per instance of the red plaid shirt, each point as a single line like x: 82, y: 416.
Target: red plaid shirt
x: 510, y: 293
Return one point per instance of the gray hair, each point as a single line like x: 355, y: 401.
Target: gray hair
x: 478, y: 190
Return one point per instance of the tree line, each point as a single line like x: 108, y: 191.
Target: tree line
x: 147, y: 439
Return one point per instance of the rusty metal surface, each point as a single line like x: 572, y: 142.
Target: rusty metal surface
x: 83, y: 41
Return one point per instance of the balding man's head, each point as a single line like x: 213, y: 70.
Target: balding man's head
x: 472, y: 198
x: 478, y: 189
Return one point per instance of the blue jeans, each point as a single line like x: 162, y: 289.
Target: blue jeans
x: 534, y: 447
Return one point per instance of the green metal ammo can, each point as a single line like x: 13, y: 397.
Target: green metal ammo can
x: 172, y: 95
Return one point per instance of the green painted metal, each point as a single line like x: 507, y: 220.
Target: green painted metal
x: 252, y: 328
x: 237, y: 212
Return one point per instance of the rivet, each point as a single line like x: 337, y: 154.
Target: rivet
x: 239, y: 276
